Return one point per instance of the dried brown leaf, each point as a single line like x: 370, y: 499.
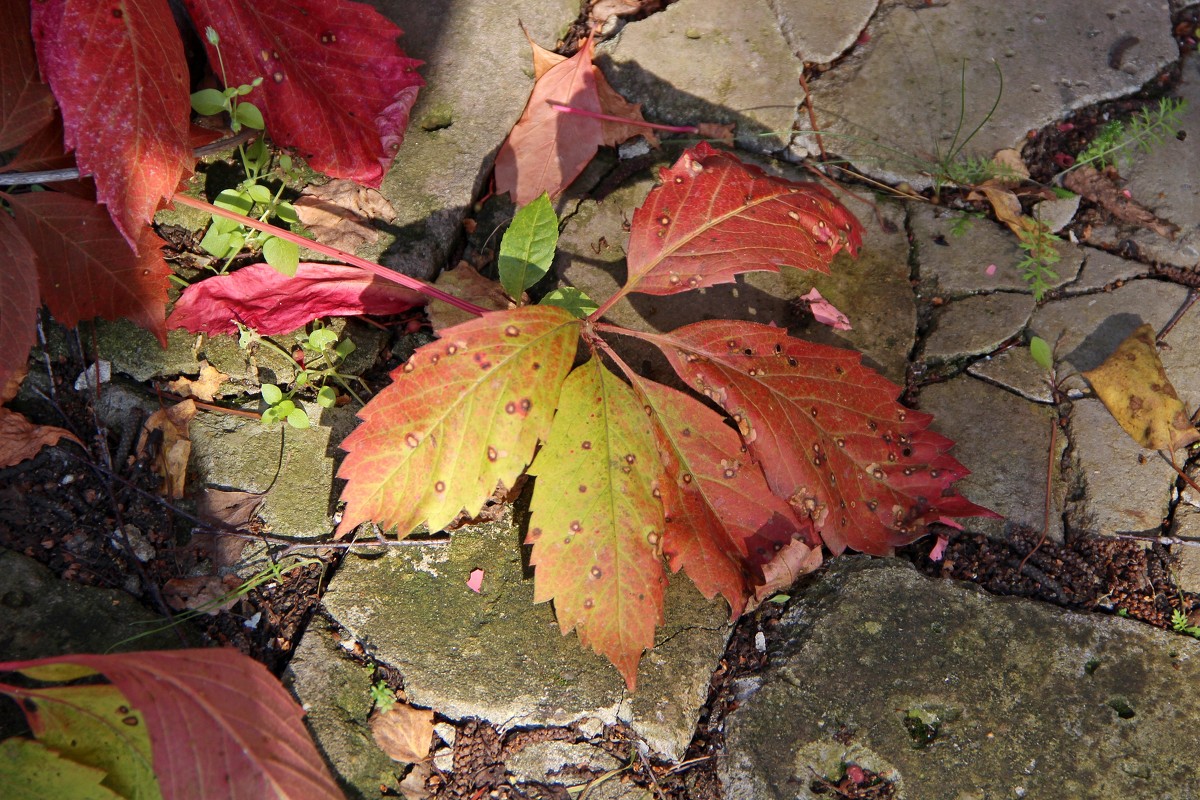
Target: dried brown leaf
x: 21, y: 439
x: 465, y: 283
x: 171, y: 459
x: 202, y: 387
x: 403, y: 732
x: 612, y: 103
x: 339, y: 213
x: 201, y: 592
x: 1104, y: 191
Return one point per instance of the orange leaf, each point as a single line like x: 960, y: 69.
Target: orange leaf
x: 21, y: 439
x: 201, y: 387
x: 171, y: 459
x: 611, y: 102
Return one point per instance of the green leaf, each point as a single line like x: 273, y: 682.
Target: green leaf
x: 249, y: 115
x: 244, y: 89
x: 215, y: 243
x: 327, y: 397
x: 257, y: 155
x: 527, y: 249
x: 572, y: 299
x: 298, y: 419
x: 207, y: 102
x: 213, y: 37
x: 235, y: 201
x: 345, y: 347
x: 287, y: 213
x: 282, y: 255
x: 61, y: 672
x: 320, y: 338
x: 597, y: 521
x: 31, y: 771
x: 1040, y: 350
x: 271, y: 394
x: 302, y: 378
x: 224, y: 225
x: 284, y: 408
x: 259, y: 193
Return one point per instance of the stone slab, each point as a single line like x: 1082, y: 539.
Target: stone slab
x: 952, y: 693
x: 497, y: 656
x: 976, y: 325
x: 1102, y: 270
x: 901, y: 90
x: 819, y: 31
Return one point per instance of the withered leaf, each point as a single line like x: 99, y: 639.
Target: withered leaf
x: 403, y: 732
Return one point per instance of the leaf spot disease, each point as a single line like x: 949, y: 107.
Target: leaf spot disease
x: 277, y: 76
x: 587, y: 445
x: 131, y: 721
x: 653, y: 538
x: 588, y: 603
x: 595, y: 572
x: 492, y: 454
x: 512, y: 330
x: 439, y: 487
x: 510, y: 407
x: 575, y: 526
x: 412, y: 440
x: 583, y: 488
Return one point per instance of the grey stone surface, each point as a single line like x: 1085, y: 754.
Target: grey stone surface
x: 1029, y: 701
x: 698, y: 61
x: 1005, y: 441
x: 1015, y: 370
x: 1167, y: 181
x: 478, y: 74
x: 1056, y: 214
x: 819, y: 31
x: 335, y: 694
x: 1101, y: 270
x: 45, y: 616
x: 902, y: 89
x: 976, y: 325
x: 537, y: 761
x: 497, y: 656
x: 953, y: 265
x: 1126, y: 487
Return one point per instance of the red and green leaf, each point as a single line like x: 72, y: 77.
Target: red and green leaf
x: 118, y: 72
x: 259, y: 297
x: 85, y: 267
x: 18, y: 300
x: 461, y: 417
x: 547, y: 149
x: 26, y: 104
x: 828, y: 432
x: 336, y: 86
x: 597, y: 522
x: 722, y: 522
x: 714, y: 217
x: 219, y: 724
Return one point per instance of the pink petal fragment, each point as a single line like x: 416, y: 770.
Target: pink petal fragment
x: 824, y: 312
x: 475, y: 582
x: 939, y: 549
x: 991, y: 270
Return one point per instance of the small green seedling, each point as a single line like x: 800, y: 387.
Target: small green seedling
x: 225, y: 239
x: 1115, y: 142
x: 526, y: 253
x: 1039, y: 348
x: 383, y: 696
x: 1180, y: 624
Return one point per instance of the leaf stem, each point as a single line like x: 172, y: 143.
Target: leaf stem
x: 562, y: 108
x: 332, y: 252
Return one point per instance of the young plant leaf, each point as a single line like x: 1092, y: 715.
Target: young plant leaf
x: 722, y: 522
x: 547, y: 149
x: 18, y: 300
x: 85, y: 267
x: 831, y: 439
x: 283, y: 256
x: 714, y: 217
x: 572, y: 299
x: 26, y: 105
x: 261, y: 298
x: 597, y: 522
x: 527, y: 249
x: 1040, y: 350
x: 121, y: 81
x: 463, y: 415
x: 336, y: 86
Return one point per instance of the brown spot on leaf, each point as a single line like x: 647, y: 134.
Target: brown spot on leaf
x: 510, y: 407
x: 512, y: 330
x: 575, y: 526
x: 587, y: 445
x: 439, y: 487
x: 595, y: 572
x: 411, y: 440
x: 492, y: 454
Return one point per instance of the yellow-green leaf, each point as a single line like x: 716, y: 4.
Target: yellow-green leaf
x: 31, y: 771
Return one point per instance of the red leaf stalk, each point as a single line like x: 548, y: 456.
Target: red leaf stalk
x: 583, y: 112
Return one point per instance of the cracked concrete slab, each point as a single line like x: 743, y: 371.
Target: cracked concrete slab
x: 820, y: 31
x: 976, y: 325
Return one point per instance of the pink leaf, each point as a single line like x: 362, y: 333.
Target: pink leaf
x: 824, y: 312
x: 939, y: 548
x: 263, y: 299
x: 475, y: 582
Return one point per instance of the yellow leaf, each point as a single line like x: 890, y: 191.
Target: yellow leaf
x: 1135, y: 389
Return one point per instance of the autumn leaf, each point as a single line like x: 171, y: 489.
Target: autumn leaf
x: 120, y: 78
x: 202, y: 387
x: 722, y: 522
x: 465, y: 283
x: 86, y: 268
x: 1135, y: 389
x: 29, y: 770
x: 403, y: 732
x: 461, y: 417
x: 597, y: 522
x: 20, y: 439
x: 546, y: 149
x: 614, y: 105
x: 832, y: 440
x: 714, y: 217
x: 173, y: 451
x: 336, y: 86
x: 26, y: 104
x: 339, y: 213
x: 219, y: 724
x: 18, y: 299
x: 261, y: 298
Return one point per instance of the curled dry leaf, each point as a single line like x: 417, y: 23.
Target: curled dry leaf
x: 1135, y: 389
x: 21, y: 439
x: 171, y: 458
x: 201, y: 592
x: 465, y: 283
x: 825, y: 312
x: 1011, y: 165
x: 1103, y: 190
x: 202, y: 387
x: 339, y: 213
x: 403, y: 732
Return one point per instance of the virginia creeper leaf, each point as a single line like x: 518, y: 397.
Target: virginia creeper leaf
x: 828, y: 432
x: 85, y: 267
x: 460, y: 417
x: 714, y: 217
x: 18, y: 299
x: 259, y: 297
x: 119, y: 74
x: 26, y: 105
x: 527, y: 249
x: 547, y: 149
x: 220, y: 724
x: 31, y: 771
x: 722, y: 522
x: 336, y: 86
x: 597, y: 522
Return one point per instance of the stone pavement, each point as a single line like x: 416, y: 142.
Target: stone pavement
x: 1023, y: 700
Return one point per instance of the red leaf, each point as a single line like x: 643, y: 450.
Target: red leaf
x: 18, y: 300
x: 21, y: 439
x: 220, y: 724
x: 335, y: 84
x: 86, y: 269
x: 118, y: 72
x: 714, y: 217
x: 461, y: 416
x: 261, y: 298
x: 25, y: 102
x: 722, y: 522
x: 547, y: 149
x: 828, y: 432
